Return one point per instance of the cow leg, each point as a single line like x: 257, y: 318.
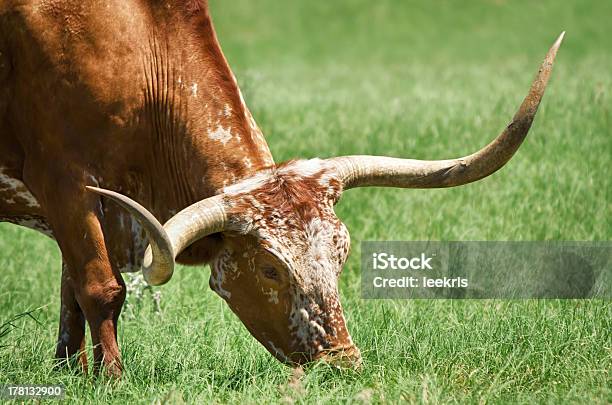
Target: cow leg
x: 71, y: 337
x: 74, y: 215
x: 98, y: 287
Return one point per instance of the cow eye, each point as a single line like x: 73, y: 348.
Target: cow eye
x: 270, y: 272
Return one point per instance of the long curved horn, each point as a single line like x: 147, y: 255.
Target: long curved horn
x: 203, y: 218
x: 361, y: 171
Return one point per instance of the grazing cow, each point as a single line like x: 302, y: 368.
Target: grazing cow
x: 136, y: 96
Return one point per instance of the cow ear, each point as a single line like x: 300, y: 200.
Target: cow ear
x: 334, y: 191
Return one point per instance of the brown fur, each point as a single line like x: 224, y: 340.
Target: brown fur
x: 90, y: 95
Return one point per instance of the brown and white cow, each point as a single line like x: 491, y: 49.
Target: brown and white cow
x: 136, y: 96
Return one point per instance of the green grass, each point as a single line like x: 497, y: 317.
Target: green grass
x: 404, y: 78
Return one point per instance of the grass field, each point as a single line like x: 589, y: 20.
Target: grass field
x: 424, y: 80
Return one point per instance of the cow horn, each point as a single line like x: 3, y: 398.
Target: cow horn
x: 362, y: 171
x: 166, y: 242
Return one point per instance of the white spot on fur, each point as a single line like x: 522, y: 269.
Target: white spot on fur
x: 194, y: 89
x: 219, y: 278
x: 221, y: 134
x: 219, y: 268
x: 315, y: 328
x: 227, y: 110
x: 272, y: 295
x: 307, y: 168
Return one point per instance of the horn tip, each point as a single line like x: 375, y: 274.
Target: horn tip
x: 101, y: 191
x: 156, y: 279
x: 552, y: 53
x: 95, y: 189
x: 557, y: 44
x: 559, y: 40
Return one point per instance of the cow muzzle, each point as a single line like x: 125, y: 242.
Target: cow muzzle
x: 344, y: 357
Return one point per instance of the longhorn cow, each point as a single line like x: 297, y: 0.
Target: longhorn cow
x: 136, y: 96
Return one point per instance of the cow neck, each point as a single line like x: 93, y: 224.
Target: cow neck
x: 203, y: 136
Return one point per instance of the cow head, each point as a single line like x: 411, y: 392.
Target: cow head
x: 284, y: 247
x: 279, y: 266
